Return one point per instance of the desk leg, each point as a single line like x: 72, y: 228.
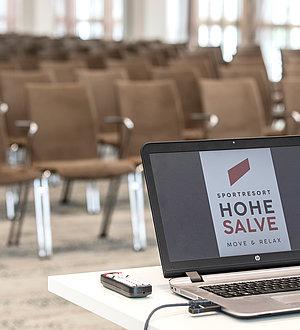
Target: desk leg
x: 136, y: 197
x: 42, y: 213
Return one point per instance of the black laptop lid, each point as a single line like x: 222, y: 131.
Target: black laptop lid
x: 225, y: 205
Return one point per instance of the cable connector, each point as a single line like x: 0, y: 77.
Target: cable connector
x: 203, y: 306
x: 195, y: 307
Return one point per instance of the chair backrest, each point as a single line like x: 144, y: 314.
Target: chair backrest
x: 155, y: 109
x: 138, y: 68
x: 28, y: 63
x: 187, y: 85
x: 65, y: 123
x: 14, y: 94
x: 95, y: 62
x: 291, y: 92
x: 205, y: 62
x: 212, y: 51
x: 100, y: 85
x: 3, y: 139
x: 236, y: 103
x: 290, y: 56
x: 261, y: 78
x: 63, y: 71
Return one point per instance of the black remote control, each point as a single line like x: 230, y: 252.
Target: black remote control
x: 125, y: 285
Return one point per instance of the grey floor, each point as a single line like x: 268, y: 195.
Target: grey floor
x: 24, y: 300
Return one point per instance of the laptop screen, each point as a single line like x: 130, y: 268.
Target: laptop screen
x: 227, y: 203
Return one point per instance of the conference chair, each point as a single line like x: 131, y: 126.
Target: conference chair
x: 27, y: 63
x: 63, y: 71
x: 249, y: 55
x: 100, y: 85
x: 290, y: 62
x: 137, y: 68
x: 14, y: 95
x: 96, y: 62
x: 16, y: 180
x: 187, y: 85
x: 236, y: 107
x: 291, y: 94
x: 205, y: 62
x: 65, y: 144
x: 216, y: 52
x: 263, y: 83
x: 152, y: 111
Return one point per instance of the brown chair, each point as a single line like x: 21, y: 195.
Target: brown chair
x: 63, y: 71
x: 249, y: 54
x: 291, y: 92
x: 16, y: 179
x: 65, y: 144
x: 96, y: 62
x: 14, y: 95
x: 187, y: 85
x: 100, y: 86
x: 261, y: 78
x: 216, y: 52
x: 205, y: 62
x: 138, y: 68
x: 154, y: 108
x: 290, y: 62
x: 27, y: 63
x: 238, y: 108
x: 151, y: 111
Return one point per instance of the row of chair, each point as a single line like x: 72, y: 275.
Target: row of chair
x: 68, y: 121
x: 62, y: 136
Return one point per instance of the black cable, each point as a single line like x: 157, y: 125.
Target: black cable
x: 161, y: 307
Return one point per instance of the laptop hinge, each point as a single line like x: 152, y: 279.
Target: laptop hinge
x: 195, y: 277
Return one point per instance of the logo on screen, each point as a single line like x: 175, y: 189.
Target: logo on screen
x: 238, y: 171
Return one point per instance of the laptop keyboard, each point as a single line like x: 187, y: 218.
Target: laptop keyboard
x: 242, y: 289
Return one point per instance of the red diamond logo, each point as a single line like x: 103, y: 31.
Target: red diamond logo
x: 238, y: 171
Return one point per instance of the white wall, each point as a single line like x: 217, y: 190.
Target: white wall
x: 144, y: 19
x: 157, y: 19
x: 35, y: 17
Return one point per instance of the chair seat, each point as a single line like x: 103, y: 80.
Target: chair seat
x: 17, y: 174
x: 87, y: 168
x: 137, y: 160
x: 193, y: 134
x: 111, y: 138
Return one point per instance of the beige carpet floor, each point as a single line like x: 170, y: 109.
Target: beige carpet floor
x: 24, y: 300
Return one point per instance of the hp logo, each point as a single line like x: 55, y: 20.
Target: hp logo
x: 257, y: 258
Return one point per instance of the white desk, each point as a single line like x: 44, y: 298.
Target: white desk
x: 86, y: 291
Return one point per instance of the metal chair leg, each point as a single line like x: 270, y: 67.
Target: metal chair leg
x: 66, y: 192
x: 136, y: 197
x: 12, y: 200
x: 109, y: 206
x: 42, y: 212
x: 15, y: 234
x: 92, y: 198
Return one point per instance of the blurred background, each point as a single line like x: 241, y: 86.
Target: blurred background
x: 83, y: 85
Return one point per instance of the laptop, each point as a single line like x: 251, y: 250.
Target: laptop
x: 227, y: 221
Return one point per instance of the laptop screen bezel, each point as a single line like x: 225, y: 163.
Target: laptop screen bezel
x: 221, y: 264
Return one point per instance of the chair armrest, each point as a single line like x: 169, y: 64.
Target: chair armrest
x: 295, y: 115
x: 127, y: 127
x: 23, y: 123
x: 201, y: 116
x: 212, y: 120
x: 278, y: 127
x: 127, y: 122
x: 33, y: 128
x: 3, y: 107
